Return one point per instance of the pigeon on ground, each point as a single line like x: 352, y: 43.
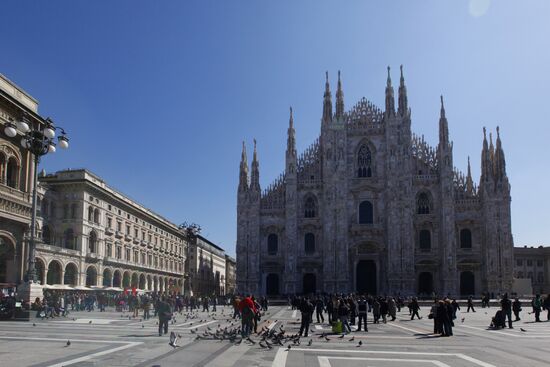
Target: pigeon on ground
x: 90, y: 322
x: 463, y: 319
x: 173, y: 340
x: 250, y: 340
x: 193, y: 331
x: 342, y: 336
x: 360, y: 343
x: 68, y: 343
x: 522, y: 329
x: 310, y: 342
x: 33, y: 324
x: 327, y: 338
x: 288, y: 348
x: 263, y: 345
x: 142, y: 326
x: 352, y: 339
x: 74, y: 319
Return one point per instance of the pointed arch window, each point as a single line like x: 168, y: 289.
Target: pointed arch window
x: 364, y: 162
x: 92, y: 242
x: 309, y: 207
x: 90, y: 213
x: 423, y: 203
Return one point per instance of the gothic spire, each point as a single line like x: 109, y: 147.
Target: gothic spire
x: 500, y: 161
x: 443, y: 126
x: 491, y: 151
x: 243, y: 172
x: 339, y: 99
x: 255, y: 174
x: 403, y: 103
x: 291, y: 139
x: 390, y: 102
x: 469, y: 181
x: 486, y: 162
x: 327, y: 101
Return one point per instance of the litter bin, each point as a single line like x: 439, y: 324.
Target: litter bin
x: 337, y: 327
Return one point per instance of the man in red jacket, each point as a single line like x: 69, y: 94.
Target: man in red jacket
x: 248, y: 311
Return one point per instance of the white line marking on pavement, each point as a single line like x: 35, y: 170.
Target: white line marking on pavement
x: 416, y: 331
x: 198, y: 326
x: 459, y: 355
x: 489, y: 332
x: 280, y: 358
x: 294, y: 314
x: 272, y: 325
x: 324, y: 361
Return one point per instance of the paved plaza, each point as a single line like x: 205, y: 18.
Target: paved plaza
x: 112, y: 339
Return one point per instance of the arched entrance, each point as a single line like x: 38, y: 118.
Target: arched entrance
x: 106, y: 278
x: 91, y: 276
x: 142, y: 281
x: 467, y: 283
x: 309, y: 283
x: 7, y: 261
x: 116, y: 279
x: 126, y: 280
x: 135, y: 282
x: 272, y: 284
x: 425, y: 284
x: 366, y: 277
x: 54, y: 273
x: 71, y: 274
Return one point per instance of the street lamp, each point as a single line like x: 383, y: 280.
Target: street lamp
x: 39, y: 141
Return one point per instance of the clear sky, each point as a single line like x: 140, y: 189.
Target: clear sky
x: 158, y: 95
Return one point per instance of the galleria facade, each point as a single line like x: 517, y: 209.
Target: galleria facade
x: 370, y: 207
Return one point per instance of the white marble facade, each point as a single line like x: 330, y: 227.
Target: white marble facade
x: 371, y: 207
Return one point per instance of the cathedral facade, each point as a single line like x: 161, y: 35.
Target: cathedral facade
x: 370, y: 207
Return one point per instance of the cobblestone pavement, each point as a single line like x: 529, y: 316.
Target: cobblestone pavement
x: 112, y: 339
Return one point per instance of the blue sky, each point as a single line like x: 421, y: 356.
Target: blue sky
x: 158, y: 95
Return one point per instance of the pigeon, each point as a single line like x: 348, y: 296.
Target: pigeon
x: 463, y: 319
x: 173, y: 340
x: 90, y: 322
x: 288, y: 348
x: 310, y: 342
x: 75, y: 319
x: 193, y: 331
x: 327, y: 338
x: 263, y: 345
x: 360, y: 343
x: 352, y: 339
x: 142, y: 326
x: 250, y: 340
x: 522, y: 329
x: 68, y: 343
x: 342, y: 336
x: 33, y: 324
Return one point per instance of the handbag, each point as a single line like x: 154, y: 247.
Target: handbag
x: 431, y: 316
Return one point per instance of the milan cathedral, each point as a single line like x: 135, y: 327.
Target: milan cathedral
x: 370, y: 207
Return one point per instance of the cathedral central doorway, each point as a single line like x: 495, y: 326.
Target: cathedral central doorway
x: 467, y: 283
x: 366, y: 277
x: 425, y: 284
x: 272, y: 284
x: 309, y: 283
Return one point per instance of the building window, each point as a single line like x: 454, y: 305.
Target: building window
x: 66, y: 211
x: 96, y: 216
x: 118, y: 226
x: 143, y: 262
x: 272, y: 244
x: 309, y: 243
x: 519, y: 262
x: 73, y: 211
x: 364, y: 160
x: 539, y: 263
x: 90, y: 213
x: 425, y: 240
x: 119, y: 252
x: 309, y: 208
x: 520, y: 274
x: 109, y: 250
x: 92, y: 242
x: 365, y: 212
x: 70, y: 239
x: 128, y: 255
x: 136, y: 232
x: 423, y: 203
x: 465, y: 238
x: 540, y: 277
x: 529, y: 262
x: 127, y: 229
x: 110, y: 223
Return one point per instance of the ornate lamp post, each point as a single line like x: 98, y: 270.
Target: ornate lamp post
x: 39, y: 140
x: 191, y: 231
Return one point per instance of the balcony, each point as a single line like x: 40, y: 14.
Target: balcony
x: 136, y: 240
x: 118, y: 234
x: 109, y: 231
x: 127, y: 237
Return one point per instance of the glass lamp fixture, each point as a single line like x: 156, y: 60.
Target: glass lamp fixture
x: 49, y: 132
x: 23, y: 126
x: 63, y: 141
x: 24, y: 143
x: 10, y: 130
x: 51, y: 148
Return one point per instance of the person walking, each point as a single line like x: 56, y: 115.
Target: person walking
x: 537, y: 305
x: 471, y: 304
x: 362, y: 313
x: 392, y: 308
x: 383, y: 309
x: 164, y: 312
x: 516, y: 307
x: 415, y: 307
x: 343, y: 314
x: 376, y: 311
x: 443, y: 318
x: 306, y: 309
x: 146, y: 307
x: 546, y: 306
x: 319, y: 308
x: 248, y: 311
x: 438, y: 327
x: 506, y: 305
